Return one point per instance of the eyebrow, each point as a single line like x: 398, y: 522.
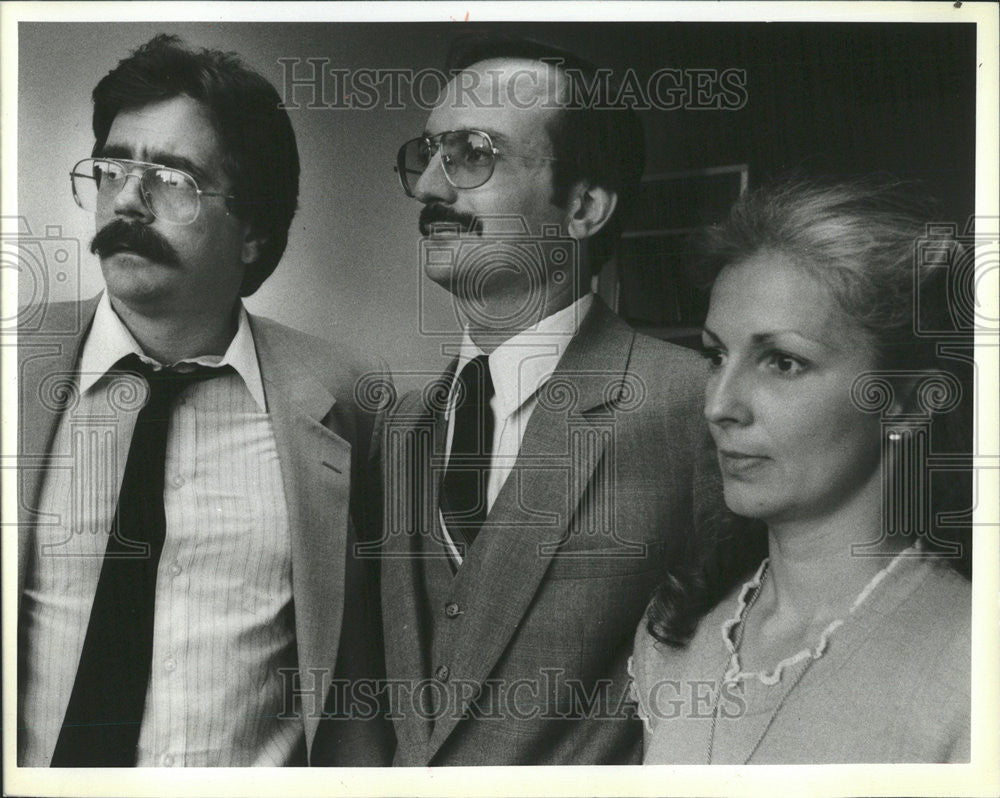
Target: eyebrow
x: 160, y: 158
x: 763, y: 339
x: 495, y: 135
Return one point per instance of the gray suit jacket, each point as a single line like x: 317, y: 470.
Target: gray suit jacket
x: 520, y: 658
x: 323, y: 439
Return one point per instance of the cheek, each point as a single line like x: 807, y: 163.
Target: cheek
x: 217, y: 242
x: 528, y: 193
x: 841, y: 444
x: 822, y: 427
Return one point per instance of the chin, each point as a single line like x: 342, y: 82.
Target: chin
x: 443, y: 275
x: 136, y: 283
x: 748, y: 501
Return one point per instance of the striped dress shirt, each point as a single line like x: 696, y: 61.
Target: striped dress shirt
x: 223, y: 625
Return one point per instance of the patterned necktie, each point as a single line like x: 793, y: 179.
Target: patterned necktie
x: 463, y: 490
x: 104, y: 714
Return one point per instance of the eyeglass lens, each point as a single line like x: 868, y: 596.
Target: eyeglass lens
x: 467, y: 158
x: 170, y: 194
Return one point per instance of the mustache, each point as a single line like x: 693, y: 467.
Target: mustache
x: 119, y: 236
x: 436, y: 213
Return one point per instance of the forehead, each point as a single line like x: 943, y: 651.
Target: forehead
x: 769, y: 293
x: 517, y: 98
x: 179, y: 128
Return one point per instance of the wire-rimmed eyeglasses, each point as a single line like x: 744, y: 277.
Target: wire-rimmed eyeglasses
x: 170, y: 194
x: 468, y: 158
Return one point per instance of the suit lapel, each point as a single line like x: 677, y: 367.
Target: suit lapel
x: 315, y: 469
x: 46, y: 364
x: 412, y: 458
x: 562, y: 445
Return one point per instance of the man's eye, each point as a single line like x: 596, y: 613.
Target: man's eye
x: 426, y: 151
x: 713, y: 356
x: 168, y: 177
x: 476, y: 155
x: 105, y: 170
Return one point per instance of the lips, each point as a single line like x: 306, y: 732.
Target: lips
x: 740, y: 464
x: 438, y: 219
x: 444, y: 229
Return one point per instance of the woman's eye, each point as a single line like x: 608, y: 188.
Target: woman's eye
x: 785, y: 364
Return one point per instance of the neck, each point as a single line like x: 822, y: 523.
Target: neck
x: 169, y: 338
x: 511, y: 318
x: 814, y: 574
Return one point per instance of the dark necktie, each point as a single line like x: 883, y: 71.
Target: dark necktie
x: 463, y: 490
x: 104, y: 714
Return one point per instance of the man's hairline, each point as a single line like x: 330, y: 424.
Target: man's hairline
x: 227, y: 157
x: 551, y: 124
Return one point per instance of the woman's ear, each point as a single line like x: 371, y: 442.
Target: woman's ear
x: 590, y: 208
x: 904, y: 396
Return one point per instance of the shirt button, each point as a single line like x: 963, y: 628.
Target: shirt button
x: 177, y: 481
x: 170, y: 665
x: 168, y: 759
x: 452, y: 610
x: 442, y: 673
x: 175, y: 569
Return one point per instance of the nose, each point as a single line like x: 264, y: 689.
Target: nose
x: 727, y: 398
x: 432, y: 185
x: 129, y: 201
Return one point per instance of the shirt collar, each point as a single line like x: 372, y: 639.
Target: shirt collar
x: 109, y: 341
x: 521, y: 364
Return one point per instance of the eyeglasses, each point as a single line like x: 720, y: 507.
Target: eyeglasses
x: 468, y: 158
x: 169, y: 194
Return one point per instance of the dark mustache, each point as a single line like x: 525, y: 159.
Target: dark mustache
x: 119, y: 235
x: 435, y: 213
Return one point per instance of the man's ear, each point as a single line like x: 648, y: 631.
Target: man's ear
x: 252, y: 246
x: 590, y: 208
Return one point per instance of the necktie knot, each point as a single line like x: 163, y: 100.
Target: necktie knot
x: 167, y: 382
x: 476, y: 383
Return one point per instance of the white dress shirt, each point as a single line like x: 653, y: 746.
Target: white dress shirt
x: 223, y: 623
x: 518, y: 367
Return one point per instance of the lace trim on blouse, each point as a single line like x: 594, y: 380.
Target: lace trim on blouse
x: 735, y: 673
x: 633, y: 690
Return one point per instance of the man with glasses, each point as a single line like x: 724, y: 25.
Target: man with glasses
x: 560, y: 467
x: 187, y: 580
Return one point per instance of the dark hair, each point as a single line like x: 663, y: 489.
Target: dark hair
x: 261, y: 157
x: 595, y: 138
x: 862, y: 240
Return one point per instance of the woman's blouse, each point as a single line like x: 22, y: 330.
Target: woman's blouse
x: 890, y: 683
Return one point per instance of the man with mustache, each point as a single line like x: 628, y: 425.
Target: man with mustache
x: 561, y: 465
x: 188, y: 586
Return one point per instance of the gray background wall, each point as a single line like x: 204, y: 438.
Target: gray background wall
x: 823, y: 99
